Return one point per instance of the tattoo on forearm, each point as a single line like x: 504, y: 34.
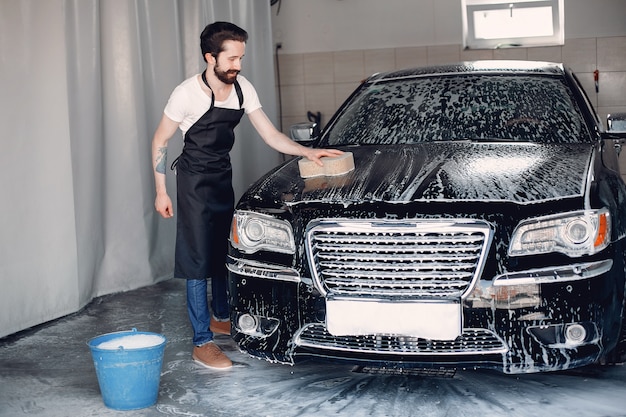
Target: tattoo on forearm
x: 161, y: 160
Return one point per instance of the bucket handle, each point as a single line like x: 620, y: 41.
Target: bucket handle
x: 134, y: 330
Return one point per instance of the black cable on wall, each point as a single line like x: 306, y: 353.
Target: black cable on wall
x: 273, y: 2
x: 280, y: 100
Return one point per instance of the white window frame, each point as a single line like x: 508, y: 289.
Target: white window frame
x: 472, y: 7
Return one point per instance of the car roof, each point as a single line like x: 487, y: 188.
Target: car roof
x: 475, y: 67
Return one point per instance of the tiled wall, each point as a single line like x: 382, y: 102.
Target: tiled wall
x: 320, y: 82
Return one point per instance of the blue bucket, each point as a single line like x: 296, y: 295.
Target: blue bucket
x: 128, y: 367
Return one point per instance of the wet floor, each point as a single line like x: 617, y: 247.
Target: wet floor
x: 48, y: 371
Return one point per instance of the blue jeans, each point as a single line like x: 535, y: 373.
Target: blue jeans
x: 198, y: 306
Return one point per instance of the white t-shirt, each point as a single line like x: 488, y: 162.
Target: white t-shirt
x: 188, y: 102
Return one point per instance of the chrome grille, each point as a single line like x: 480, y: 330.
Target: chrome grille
x: 397, y: 258
x: 472, y: 341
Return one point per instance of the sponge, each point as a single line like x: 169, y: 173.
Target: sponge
x: 333, y: 166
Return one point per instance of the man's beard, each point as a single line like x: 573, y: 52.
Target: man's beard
x: 227, y: 77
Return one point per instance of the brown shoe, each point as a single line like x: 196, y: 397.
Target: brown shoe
x: 211, y: 356
x: 219, y: 327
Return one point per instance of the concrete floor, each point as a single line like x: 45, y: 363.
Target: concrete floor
x: 48, y: 371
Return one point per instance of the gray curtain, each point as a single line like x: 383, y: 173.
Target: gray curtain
x: 83, y: 86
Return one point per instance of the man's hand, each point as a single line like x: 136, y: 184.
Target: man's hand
x: 163, y: 205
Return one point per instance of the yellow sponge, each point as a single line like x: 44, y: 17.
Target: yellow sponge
x: 333, y: 166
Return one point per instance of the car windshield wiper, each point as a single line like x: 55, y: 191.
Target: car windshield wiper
x: 490, y: 139
x: 474, y: 140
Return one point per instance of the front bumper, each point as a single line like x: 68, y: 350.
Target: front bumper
x: 536, y: 320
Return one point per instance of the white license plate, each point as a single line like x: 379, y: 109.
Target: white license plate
x: 436, y: 320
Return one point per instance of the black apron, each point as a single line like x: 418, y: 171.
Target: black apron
x: 205, y: 194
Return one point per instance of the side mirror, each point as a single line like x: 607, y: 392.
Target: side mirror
x: 616, y: 128
x: 616, y: 122
x: 304, y: 133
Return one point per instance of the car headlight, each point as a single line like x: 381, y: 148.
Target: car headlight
x: 251, y: 232
x: 574, y: 234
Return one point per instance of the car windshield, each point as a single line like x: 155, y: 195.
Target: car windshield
x: 460, y: 108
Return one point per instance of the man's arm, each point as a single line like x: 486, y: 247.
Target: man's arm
x: 166, y: 129
x: 279, y: 141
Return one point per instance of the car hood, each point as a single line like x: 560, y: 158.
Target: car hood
x: 517, y: 172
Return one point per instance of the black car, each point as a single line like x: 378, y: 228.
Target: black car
x: 484, y: 225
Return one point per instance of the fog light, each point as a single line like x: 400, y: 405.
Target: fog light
x: 257, y: 326
x: 567, y: 336
x: 248, y: 323
x: 575, y: 333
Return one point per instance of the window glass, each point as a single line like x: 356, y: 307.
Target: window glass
x: 493, y: 24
